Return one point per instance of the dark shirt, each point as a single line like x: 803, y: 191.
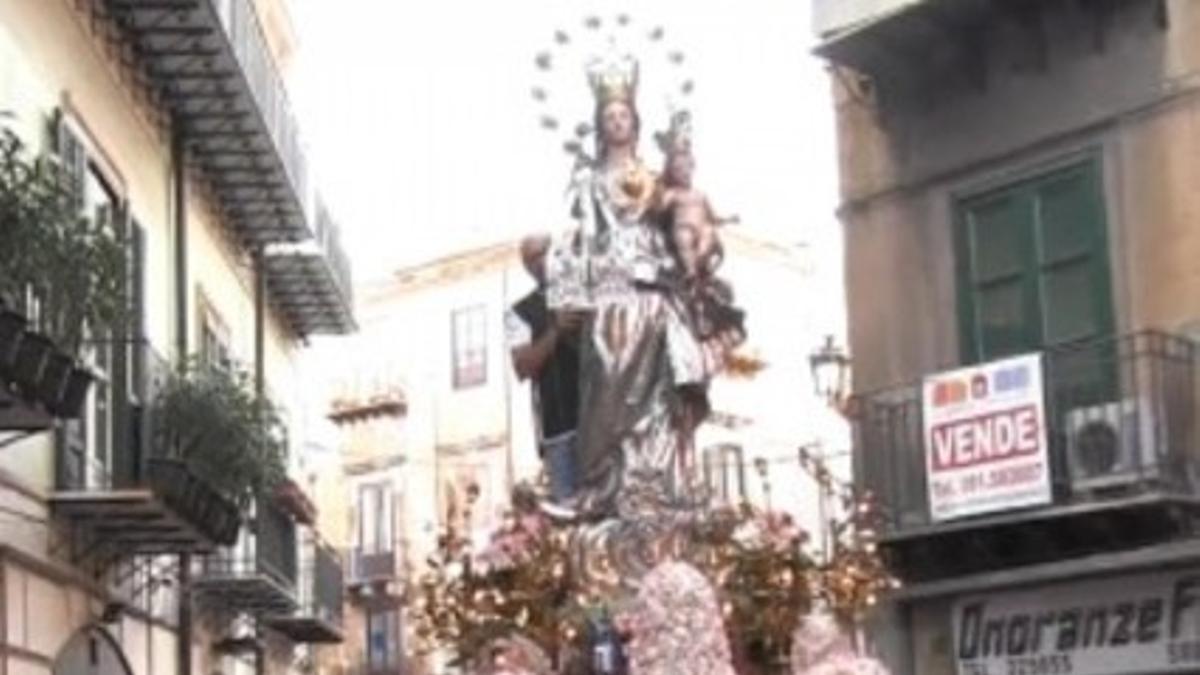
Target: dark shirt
x: 556, y: 390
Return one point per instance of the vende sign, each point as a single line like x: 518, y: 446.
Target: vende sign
x: 985, y: 438
x: 1144, y: 623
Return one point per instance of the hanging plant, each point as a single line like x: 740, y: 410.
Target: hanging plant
x: 70, y: 262
x: 210, y: 419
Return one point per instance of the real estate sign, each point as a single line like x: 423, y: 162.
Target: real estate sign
x: 985, y: 438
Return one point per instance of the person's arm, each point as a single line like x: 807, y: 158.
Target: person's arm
x: 530, y: 355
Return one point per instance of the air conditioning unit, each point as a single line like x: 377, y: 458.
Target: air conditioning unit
x: 1114, y: 444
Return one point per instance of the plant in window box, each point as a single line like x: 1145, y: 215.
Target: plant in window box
x: 210, y: 419
x: 66, y: 266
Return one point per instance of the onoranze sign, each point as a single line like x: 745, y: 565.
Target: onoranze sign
x: 985, y: 438
x: 1147, y: 623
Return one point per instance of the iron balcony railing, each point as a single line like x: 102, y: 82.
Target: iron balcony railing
x: 1120, y: 417
x: 371, y: 565
x: 321, y: 591
x: 240, y: 20
x: 329, y: 239
x: 248, y: 41
x: 118, y: 448
x: 211, y: 64
x: 268, y: 550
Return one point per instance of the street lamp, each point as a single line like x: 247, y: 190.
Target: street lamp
x: 831, y: 372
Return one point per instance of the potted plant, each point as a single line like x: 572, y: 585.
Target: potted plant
x: 72, y: 264
x: 210, y: 419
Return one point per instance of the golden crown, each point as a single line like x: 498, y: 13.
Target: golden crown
x: 613, y: 78
x: 678, y: 136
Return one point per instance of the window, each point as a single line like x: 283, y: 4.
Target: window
x: 725, y: 473
x: 1033, y: 265
x: 375, y: 518
x: 214, y: 337
x: 469, y: 344
x: 86, y: 444
x: 383, y: 640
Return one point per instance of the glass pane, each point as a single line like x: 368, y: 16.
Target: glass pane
x: 1068, y: 216
x: 998, y: 229
x: 1000, y: 316
x: 1069, y: 302
x: 376, y: 640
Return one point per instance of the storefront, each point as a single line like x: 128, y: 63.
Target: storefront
x: 1144, y: 623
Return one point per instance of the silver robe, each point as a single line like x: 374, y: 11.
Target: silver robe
x: 637, y: 352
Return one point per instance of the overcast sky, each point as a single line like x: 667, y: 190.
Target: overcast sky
x: 426, y: 140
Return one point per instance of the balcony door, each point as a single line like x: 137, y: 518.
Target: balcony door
x: 383, y: 642
x: 86, y: 445
x: 375, y: 518
x: 1033, y: 265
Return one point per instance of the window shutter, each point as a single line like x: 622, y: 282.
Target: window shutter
x: 71, y: 156
x: 1033, y: 265
x: 1004, y: 317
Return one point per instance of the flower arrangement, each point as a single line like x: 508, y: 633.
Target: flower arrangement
x: 740, y: 572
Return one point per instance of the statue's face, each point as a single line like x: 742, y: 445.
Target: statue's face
x: 681, y: 168
x: 616, y: 123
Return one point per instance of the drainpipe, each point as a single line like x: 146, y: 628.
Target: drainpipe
x: 260, y: 323
x: 260, y: 388
x: 179, y: 183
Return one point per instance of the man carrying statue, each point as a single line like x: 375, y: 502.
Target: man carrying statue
x: 545, y: 350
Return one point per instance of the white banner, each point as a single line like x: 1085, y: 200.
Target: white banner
x: 985, y: 438
x: 1148, y: 623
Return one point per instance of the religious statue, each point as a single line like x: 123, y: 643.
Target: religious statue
x: 658, y: 324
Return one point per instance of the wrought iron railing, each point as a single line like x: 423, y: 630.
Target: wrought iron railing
x: 240, y: 20
x: 268, y: 550
x: 329, y: 239
x: 248, y: 41
x: 123, y: 452
x: 368, y: 565
x: 1120, y: 417
x: 320, y: 592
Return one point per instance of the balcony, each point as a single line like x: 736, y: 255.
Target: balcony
x: 375, y: 576
x: 258, y: 575
x: 206, y: 64
x: 318, y: 616
x: 140, y: 502
x: 1123, y: 461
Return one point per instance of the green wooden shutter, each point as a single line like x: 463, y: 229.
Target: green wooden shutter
x: 1033, y: 265
x: 1001, y: 296
x: 1073, y: 257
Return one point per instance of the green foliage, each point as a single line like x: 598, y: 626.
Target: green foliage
x: 73, y: 264
x: 210, y: 419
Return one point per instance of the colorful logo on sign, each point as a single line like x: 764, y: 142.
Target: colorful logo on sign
x: 1005, y: 381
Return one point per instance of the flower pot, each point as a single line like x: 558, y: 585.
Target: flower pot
x: 53, y: 379
x: 32, y: 354
x: 12, y: 327
x: 74, y: 394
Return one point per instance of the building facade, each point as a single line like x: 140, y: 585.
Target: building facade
x: 1016, y: 201
x: 173, y: 119
x: 429, y: 410
x: 428, y: 413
